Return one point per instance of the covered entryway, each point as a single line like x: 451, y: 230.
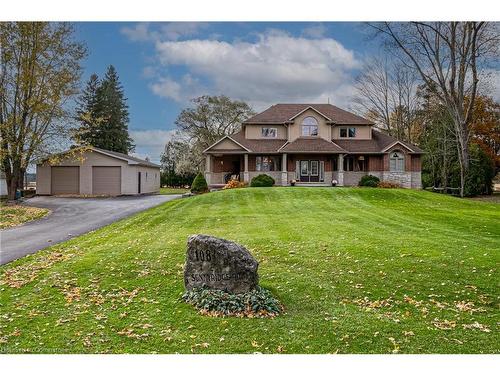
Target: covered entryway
x: 65, y: 180
x: 310, y: 170
x: 106, y: 180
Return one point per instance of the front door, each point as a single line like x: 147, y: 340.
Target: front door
x: 311, y: 171
x: 304, y: 171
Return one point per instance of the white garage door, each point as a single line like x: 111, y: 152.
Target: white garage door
x: 65, y: 180
x: 106, y: 181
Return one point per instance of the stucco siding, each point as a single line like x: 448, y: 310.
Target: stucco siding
x: 226, y: 144
x: 255, y: 131
x: 150, y: 180
x: 295, y: 129
x: 362, y: 131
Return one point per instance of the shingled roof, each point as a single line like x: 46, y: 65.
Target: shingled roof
x: 311, y: 145
x: 379, y: 142
x: 258, y: 145
x: 281, y: 113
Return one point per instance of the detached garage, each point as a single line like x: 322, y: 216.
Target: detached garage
x: 94, y: 171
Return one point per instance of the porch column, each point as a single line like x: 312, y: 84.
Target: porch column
x: 284, y: 170
x: 246, y: 175
x: 208, y: 168
x: 341, y: 170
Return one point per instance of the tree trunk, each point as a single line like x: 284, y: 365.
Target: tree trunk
x: 12, y: 180
x: 463, y: 157
x: 462, y: 135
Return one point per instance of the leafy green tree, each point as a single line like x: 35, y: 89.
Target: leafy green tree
x: 198, y: 127
x: 39, y: 73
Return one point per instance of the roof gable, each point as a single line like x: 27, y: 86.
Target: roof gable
x: 282, y: 113
x: 226, y: 144
x: 306, y: 109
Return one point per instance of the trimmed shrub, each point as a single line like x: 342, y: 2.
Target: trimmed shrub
x: 255, y: 303
x: 388, y: 185
x: 172, y: 179
x: 262, y: 180
x: 199, y: 185
x: 369, y: 180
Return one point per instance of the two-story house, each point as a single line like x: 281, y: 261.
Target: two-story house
x: 312, y: 144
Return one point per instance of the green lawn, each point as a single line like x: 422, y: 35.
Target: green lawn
x: 13, y: 215
x: 358, y: 271
x: 169, y: 191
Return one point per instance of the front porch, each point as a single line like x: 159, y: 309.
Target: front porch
x: 306, y: 169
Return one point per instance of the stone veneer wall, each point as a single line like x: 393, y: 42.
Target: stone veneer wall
x: 402, y: 178
x: 416, y: 180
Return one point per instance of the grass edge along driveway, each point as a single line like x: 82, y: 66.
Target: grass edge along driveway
x: 358, y: 270
x: 14, y: 215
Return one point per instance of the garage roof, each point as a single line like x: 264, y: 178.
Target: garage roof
x: 131, y: 159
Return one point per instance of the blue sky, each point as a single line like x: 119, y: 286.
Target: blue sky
x: 163, y: 65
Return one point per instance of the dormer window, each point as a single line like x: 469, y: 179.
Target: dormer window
x: 347, y: 132
x: 309, y: 127
x: 269, y: 132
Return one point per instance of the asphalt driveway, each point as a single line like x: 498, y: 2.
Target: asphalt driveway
x: 70, y: 217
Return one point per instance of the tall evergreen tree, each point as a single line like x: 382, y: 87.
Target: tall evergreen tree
x: 88, y: 131
x: 103, y: 115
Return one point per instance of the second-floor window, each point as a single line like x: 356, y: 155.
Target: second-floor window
x: 309, y: 127
x: 347, y: 132
x: 269, y: 132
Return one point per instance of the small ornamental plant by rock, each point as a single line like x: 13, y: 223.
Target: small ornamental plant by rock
x: 221, y: 279
x: 257, y: 303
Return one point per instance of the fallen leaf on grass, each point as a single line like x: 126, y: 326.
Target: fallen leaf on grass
x: 445, y: 324
x: 477, y: 325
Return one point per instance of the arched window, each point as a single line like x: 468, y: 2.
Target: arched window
x: 396, y: 161
x: 309, y: 127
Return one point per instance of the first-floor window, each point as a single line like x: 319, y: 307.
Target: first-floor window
x: 361, y: 164
x: 396, y: 161
x: 267, y: 163
x: 348, y: 163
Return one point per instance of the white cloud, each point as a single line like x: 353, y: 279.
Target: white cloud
x: 138, y: 33
x: 188, y: 87
x: 275, y: 68
x: 167, y: 88
x: 177, y: 30
x: 315, y: 31
x: 145, y: 31
x: 150, y: 143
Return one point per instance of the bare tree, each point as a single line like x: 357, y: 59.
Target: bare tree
x: 448, y: 57
x: 386, y: 93
x: 39, y: 72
